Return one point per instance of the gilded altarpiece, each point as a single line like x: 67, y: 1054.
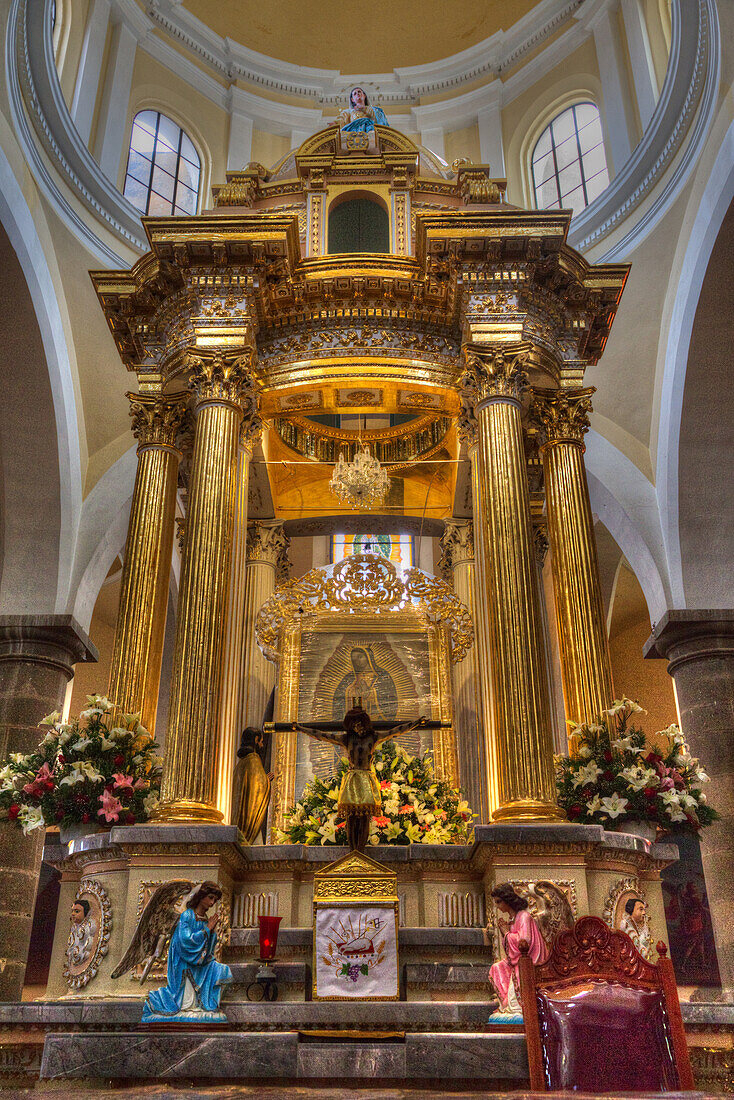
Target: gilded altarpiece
x: 361, y: 629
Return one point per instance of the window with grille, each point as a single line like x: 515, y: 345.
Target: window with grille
x: 163, y: 167
x: 569, y: 164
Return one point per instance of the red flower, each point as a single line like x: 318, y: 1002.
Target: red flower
x: 86, y: 819
x: 130, y: 819
x: 381, y: 821
x: 575, y: 810
x: 61, y: 759
x: 607, y: 776
x: 13, y: 811
x: 406, y: 809
x: 384, y: 784
x: 608, y: 756
x: 652, y: 758
x: 59, y: 815
x: 650, y: 792
x: 119, y: 760
x: 49, y: 784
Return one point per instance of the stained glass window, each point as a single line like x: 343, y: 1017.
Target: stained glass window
x: 569, y: 164
x: 397, y: 548
x: 163, y: 167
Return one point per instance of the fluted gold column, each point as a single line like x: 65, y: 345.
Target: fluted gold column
x: 221, y: 385
x: 234, y: 683
x: 563, y: 418
x: 521, y: 750
x: 457, y: 567
x: 141, y: 620
x: 267, y: 566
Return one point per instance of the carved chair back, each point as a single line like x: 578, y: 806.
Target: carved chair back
x: 599, y: 1017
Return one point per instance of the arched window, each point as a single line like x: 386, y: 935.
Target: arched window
x: 359, y: 225
x: 569, y: 164
x: 163, y: 167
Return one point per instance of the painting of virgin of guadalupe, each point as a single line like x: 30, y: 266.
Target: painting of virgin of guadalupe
x: 369, y: 684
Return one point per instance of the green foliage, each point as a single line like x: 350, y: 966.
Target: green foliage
x: 614, y: 775
x: 417, y: 808
x: 85, y: 771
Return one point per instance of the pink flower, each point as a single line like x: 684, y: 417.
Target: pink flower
x: 140, y: 784
x: 384, y: 784
x: 111, y: 806
x: 666, y: 784
x: 122, y: 781
x: 406, y: 809
x: 381, y: 821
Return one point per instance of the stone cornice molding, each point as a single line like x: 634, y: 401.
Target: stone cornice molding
x: 684, y: 110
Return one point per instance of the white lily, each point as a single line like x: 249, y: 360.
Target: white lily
x: 150, y: 802
x: 614, y: 805
x: 638, y: 778
x: 675, y: 813
x: 31, y: 818
x: 81, y: 744
x: 587, y: 775
x: 594, y: 805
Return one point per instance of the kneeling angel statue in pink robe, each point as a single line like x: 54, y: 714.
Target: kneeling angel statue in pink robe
x: 504, y: 975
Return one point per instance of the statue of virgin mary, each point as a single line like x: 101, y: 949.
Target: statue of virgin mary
x: 359, y: 116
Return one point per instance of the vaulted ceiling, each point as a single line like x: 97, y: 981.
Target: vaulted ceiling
x: 359, y: 38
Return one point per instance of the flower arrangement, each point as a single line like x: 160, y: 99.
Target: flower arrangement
x: 614, y: 775
x: 417, y: 808
x: 87, y: 771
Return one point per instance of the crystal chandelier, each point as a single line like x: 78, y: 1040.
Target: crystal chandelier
x: 361, y: 483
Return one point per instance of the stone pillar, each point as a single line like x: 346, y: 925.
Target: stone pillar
x: 234, y: 675
x: 221, y: 384
x: 517, y: 677
x: 457, y: 567
x: 141, y: 620
x: 617, y: 111
x: 563, y: 417
x: 37, y: 657
x: 112, y: 118
x: 90, y: 67
x: 699, y: 648
x: 267, y: 566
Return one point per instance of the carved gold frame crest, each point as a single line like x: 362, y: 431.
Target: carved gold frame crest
x: 353, y: 595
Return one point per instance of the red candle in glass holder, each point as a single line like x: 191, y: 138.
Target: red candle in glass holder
x: 268, y: 936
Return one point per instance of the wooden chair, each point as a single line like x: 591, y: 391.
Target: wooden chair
x: 599, y: 1017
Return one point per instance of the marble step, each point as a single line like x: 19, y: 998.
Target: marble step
x: 494, y: 1059
x: 415, y: 1016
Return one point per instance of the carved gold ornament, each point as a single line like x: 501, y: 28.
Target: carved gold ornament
x: 364, y: 583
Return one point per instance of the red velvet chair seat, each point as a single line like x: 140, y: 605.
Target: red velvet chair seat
x: 607, y: 1038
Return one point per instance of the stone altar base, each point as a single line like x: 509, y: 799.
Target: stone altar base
x: 445, y: 949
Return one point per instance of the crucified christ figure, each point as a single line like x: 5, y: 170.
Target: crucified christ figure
x: 359, y: 795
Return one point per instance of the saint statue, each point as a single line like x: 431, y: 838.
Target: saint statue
x: 359, y: 796
x: 369, y: 682
x: 195, y: 978
x: 253, y: 784
x: 522, y: 925
x: 634, y: 923
x: 359, y: 116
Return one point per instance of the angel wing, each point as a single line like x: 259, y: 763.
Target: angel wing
x: 155, y: 925
x: 554, y: 912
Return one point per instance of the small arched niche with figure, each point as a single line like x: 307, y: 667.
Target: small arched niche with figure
x: 358, y: 222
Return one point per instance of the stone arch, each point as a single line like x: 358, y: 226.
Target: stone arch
x: 39, y: 435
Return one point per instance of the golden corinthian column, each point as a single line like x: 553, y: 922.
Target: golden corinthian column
x: 457, y: 568
x: 521, y: 749
x: 141, y: 620
x: 267, y: 566
x: 563, y: 418
x: 221, y: 386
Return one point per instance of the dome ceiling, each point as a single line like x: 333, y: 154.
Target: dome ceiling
x: 371, y: 38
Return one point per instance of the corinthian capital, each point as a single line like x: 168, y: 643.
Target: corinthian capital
x: 158, y: 419
x: 223, y: 377
x: 499, y: 371
x: 268, y: 543
x: 457, y: 546
x: 562, y: 416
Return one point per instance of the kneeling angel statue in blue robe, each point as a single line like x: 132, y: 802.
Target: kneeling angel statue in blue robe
x: 195, y: 978
x: 359, y: 116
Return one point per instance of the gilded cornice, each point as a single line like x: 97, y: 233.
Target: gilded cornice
x: 457, y: 547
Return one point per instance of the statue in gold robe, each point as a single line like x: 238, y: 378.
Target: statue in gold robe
x: 253, y: 784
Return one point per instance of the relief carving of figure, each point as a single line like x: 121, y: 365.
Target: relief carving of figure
x: 634, y: 922
x: 82, y: 935
x: 359, y: 117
